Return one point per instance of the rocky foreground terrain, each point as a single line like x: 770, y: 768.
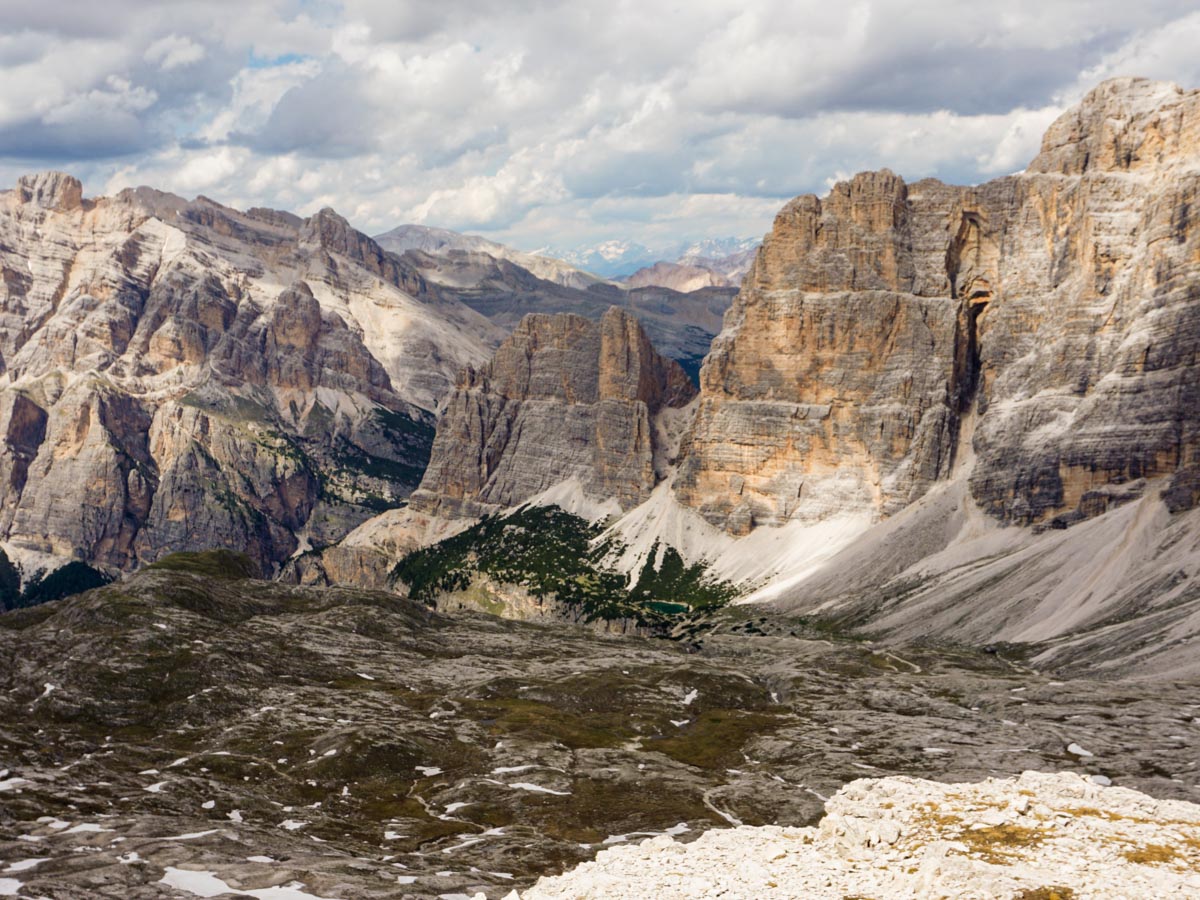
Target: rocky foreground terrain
x: 192, y: 720
x: 1038, y: 836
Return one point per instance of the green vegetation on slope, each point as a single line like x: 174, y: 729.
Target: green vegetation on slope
x: 228, y: 565
x: 554, y: 554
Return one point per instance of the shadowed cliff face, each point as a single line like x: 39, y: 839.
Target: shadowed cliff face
x: 563, y: 398
x: 1060, y: 305
x: 178, y: 375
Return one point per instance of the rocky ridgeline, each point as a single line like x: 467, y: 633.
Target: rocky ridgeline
x: 1036, y: 837
x: 680, y: 314
x: 932, y: 408
x: 179, y: 375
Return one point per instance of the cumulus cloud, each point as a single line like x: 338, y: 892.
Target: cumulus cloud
x: 173, y: 51
x: 541, y: 121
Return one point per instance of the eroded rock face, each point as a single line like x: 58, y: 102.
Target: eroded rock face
x: 179, y: 375
x: 564, y: 397
x: 1059, y: 306
x: 841, y: 403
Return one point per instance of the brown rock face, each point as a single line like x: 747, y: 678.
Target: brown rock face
x: 842, y: 403
x: 563, y: 398
x: 1060, y: 307
x: 51, y: 190
x: 856, y: 239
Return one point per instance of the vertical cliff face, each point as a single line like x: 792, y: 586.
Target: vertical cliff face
x: 832, y: 387
x: 1089, y: 346
x: 563, y: 398
x: 1059, y: 307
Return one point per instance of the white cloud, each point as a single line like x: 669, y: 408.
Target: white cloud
x: 174, y: 51
x: 542, y: 121
x: 1167, y: 52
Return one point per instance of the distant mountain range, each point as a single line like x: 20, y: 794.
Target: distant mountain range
x: 619, y: 259
x: 442, y: 241
x: 680, y: 306
x: 684, y: 267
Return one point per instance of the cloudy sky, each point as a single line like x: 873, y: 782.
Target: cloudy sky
x: 539, y: 123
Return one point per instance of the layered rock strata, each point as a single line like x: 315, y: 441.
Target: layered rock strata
x: 564, y: 398
x: 179, y: 375
x: 1058, y: 308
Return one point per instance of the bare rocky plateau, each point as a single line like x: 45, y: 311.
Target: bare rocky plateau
x: 365, y: 746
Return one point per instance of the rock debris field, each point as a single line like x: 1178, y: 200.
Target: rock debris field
x: 178, y: 735
x: 1035, y: 837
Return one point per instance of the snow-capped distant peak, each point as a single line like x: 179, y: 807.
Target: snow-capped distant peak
x: 619, y: 258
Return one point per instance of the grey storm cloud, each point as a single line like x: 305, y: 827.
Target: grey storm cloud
x: 541, y: 121
x: 327, y: 116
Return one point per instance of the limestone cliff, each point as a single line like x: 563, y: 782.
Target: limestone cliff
x: 1058, y: 308
x: 179, y: 375
x: 563, y: 398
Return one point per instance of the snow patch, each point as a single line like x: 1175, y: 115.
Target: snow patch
x: 207, y: 884
x: 86, y: 828
x: 24, y: 865
x: 537, y: 789
x: 673, y: 831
